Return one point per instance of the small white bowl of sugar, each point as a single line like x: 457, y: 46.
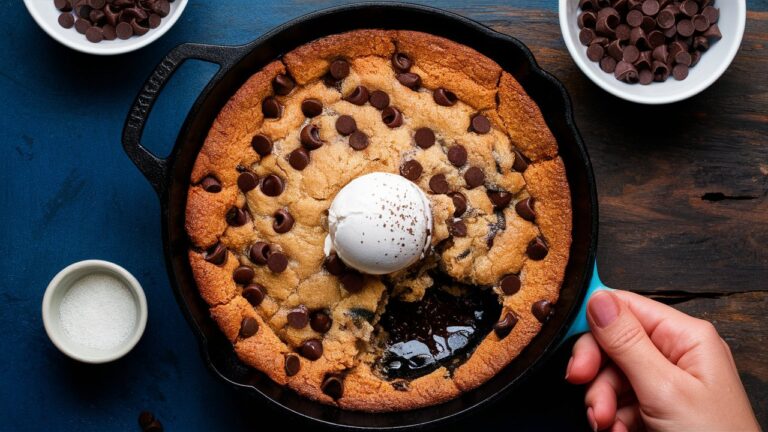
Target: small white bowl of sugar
x: 94, y: 311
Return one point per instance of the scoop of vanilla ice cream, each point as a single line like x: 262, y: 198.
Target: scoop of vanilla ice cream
x: 379, y: 223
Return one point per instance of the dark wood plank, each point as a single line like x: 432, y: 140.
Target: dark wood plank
x: 683, y: 188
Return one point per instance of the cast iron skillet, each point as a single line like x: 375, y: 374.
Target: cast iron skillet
x: 170, y: 178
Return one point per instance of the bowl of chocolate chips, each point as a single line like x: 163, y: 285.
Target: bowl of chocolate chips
x: 105, y: 27
x: 653, y: 51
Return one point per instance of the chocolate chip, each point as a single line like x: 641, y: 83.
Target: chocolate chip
x: 283, y: 221
x: 320, y: 321
x: 359, y: 96
x: 712, y: 13
x: 243, y: 275
x: 236, y: 217
x: 700, y: 43
x: 66, y: 20
x: 586, y: 19
x: 474, y: 177
x: 660, y: 71
x: 650, y: 7
x: 510, y: 284
x: 261, y: 144
x: 248, y: 327
x: 138, y: 28
x: 410, y: 80
x: 586, y: 36
x: 145, y: 417
x: 272, y: 185
x: 247, y: 181
x: 634, y: 18
x: 298, y: 318
x: 216, y: 254
x: 334, y: 265
x: 311, y: 107
x: 345, y: 125
x: 608, y: 64
x: 542, y: 310
x: 62, y: 5
x: 124, y: 30
x: 685, y: 28
x: 680, y: 72
x: 271, y: 108
x: 378, y: 99
x: 292, y: 364
x: 626, y: 72
x: 401, y: 63
x: 333, y: 387
x: 439, y: 184
x: 255, y: 294
x: 713, y: 32
x: 457, y: 228
x: 411, y: 170
x: 656, y: 39
x: 391, y: 117
x: 504, y: 327
x: 683, y: 57
x: 666, y: 19
x: 595, y: 52
x: 339, y: 69
x: 444, y: 97
x: 424, y: 137
x: 259, y: 252
x: 480, y: 124
x: 457, y: 155
x: 358, y: 140
x: 283, y: 84
x: 524, y: 208
x: 700, y: 23
x: 631, y: 54
x: 352, y: 281
x: 82, y: 25
x: 689, y: 8
x: 459, y: 203
x: 210, y: 184
x: 311, y: 349
x: 622, y: 32
x: 299, y: 158
x: 277, y: 262
x: 499, y: 199
x: 537, y: 249
x: 310, y: 137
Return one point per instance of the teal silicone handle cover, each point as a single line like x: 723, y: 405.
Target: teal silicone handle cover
x: 580, y: 325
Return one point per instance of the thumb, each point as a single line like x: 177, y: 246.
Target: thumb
x: 622, y: 337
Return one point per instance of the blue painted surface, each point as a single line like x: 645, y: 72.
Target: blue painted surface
x: 69, y: 193
x: 580, y: 324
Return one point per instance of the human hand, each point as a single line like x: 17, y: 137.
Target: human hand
x: 650, y: 367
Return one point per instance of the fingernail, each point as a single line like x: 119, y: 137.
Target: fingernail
x: 591, y: 419
x: 568, y: 368
x: 603, y: 309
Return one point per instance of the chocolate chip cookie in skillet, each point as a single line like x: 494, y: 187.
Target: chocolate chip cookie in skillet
x: 442, y: 116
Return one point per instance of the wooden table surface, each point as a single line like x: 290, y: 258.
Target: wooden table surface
x: 683, y: 192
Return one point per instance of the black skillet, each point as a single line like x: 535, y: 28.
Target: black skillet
x: 170, y: 178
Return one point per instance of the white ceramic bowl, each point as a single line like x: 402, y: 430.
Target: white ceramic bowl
x: 47, y: 17
x: 59, y: 286
x: 733, y: 16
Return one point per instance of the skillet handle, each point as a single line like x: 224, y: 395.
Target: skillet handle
x: 155, y: 169
x: 580, y: 324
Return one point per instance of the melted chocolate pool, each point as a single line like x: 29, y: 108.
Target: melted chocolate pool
x: 439, y: 330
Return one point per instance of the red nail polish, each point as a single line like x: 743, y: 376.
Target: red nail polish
x: 603, y: 309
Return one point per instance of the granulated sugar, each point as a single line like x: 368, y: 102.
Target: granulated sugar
x: 98, y: 311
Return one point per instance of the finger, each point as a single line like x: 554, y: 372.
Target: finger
x: 602, y: 395
x: 619, y: 426
x: 629, y: 416
x: 625, y: 341
x: 673, y: 332
x: 585, y: 361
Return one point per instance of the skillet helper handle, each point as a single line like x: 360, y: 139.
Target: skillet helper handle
x: 154, y: 168
x: 580, y: 324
